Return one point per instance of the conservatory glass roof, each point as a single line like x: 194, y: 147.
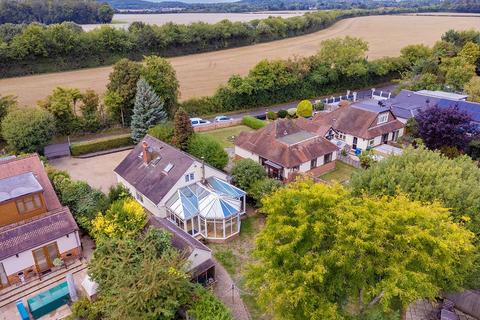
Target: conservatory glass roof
x: 217, y: 200
x: 223, y: 187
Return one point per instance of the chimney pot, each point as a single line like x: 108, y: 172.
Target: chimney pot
x: 146, y: 153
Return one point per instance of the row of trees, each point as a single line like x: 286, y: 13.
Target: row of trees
x: 37, y: 48
x: 340, y: 64
x: 54, y: 11
x: 369, y: 250
x: 451, y: 64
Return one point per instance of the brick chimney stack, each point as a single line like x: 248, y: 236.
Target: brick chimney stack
x: 146, y: 153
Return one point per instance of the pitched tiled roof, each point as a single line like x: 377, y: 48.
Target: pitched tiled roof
x: 26, y: 164
x: 181, y: 240
x: 28, y: 234
x: 152, y: 180
x: 286, y: 142
x: 358, y: 122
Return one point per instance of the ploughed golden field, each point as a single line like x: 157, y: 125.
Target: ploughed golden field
x: 201, y: 74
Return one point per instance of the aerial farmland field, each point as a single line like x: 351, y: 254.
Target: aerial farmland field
x: 201, y: 74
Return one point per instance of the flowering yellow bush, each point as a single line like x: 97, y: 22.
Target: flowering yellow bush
x: 124, y: 219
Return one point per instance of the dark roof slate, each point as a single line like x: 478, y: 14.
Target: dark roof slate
x: 472, y: 108
x: 151, y: 180
x: 28, y: 234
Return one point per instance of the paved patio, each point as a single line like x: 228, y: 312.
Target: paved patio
x: 9, y: 312
x: 97, y: 171
x: 388, y: 150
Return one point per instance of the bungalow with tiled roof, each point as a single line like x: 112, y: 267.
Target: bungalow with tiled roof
x: 287, y: 147
x: 361, y: 125
x: 34, y: 227
x: 174, y: 185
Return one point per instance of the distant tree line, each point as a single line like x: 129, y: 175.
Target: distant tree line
x: 54, y: 11
x: 265, y: 5
x: 33, y: 48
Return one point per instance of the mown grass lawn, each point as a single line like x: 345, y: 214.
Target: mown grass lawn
x: 226, y: 136
x: 235, y: 255
x: 342, y: 173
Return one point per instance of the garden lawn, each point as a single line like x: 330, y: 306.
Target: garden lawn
x: 226, y: 136
x: 235, y: 255
x: 342, y: 173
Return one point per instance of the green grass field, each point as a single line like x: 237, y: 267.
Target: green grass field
x: 226, y: 135
x: 342, y: 173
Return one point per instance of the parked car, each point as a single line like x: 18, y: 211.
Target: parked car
x: 223, y: 119
x: 198, y: 122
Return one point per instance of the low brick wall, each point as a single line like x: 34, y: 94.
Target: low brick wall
x: 323, y: 169
x: 217, y: 125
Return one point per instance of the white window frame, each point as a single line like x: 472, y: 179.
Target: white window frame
x: 382, y: 118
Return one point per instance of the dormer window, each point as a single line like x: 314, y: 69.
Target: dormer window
x: 382, y: 118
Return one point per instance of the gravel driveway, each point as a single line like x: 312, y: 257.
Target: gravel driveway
x: 97, y: 171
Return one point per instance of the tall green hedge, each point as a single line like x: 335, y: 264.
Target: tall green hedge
x: 253, y: 122
x: 100, y: 145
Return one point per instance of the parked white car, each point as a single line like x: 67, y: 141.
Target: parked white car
x: 198, y: 122
x: 223, y: 119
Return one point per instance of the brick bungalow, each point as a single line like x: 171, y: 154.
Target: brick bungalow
x: 286, y: 148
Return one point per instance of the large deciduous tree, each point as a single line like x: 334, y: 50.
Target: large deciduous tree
x: 445, y: 127
x: 325, y: 254
x: 62, y: 105
x: 209, y: 149
x: 148, y: 111
x: 123, y: 85
x: 472, y: 88
x: 183, y: 129
x: 246, y: 172
x: 28, y: 129
x: 345, y: 56
x: 427, y: 176
x: 159, y: 73
x: 141, y: 279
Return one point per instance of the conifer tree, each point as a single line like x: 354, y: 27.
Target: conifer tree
x: 147, y: 111
x: 183, y: 129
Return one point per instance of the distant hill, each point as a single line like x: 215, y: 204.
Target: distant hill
x: 275, y: 5
x: 147, y: 5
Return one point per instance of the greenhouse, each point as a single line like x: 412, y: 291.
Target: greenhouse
x: 211, y: 209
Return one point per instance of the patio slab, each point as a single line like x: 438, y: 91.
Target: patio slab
x: 388, y: 150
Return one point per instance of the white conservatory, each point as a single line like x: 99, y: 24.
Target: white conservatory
x: 211, y: 209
